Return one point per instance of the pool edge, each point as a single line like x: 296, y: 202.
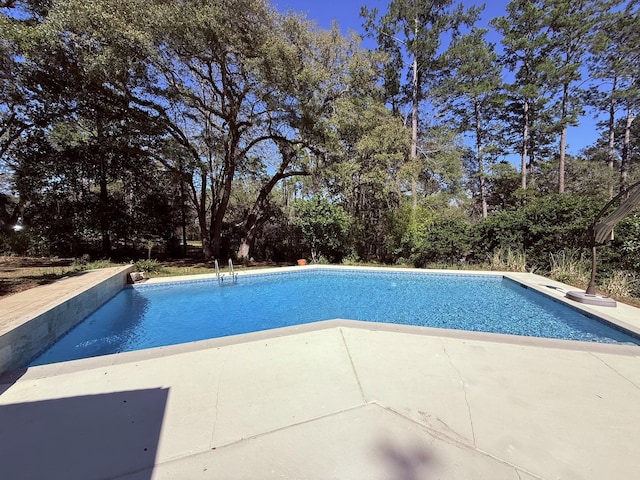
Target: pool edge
x: 552, y: 289
x: 133, y: 357
x: 29, y: 326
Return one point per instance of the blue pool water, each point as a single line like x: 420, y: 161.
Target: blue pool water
x: 156, y: 315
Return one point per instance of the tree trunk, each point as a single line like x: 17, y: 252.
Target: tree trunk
x: 199, y: 200
x: 104, y: 192
x: 483, y: 187
x: 525, y: 142
x: 183, y: 215
x: 611, y: 153
x: 624, y: 164
x: 414, y: 124
x: 563, y: 137
x: 104, y: 206
x: 217, y: 214
x: 256, y: 217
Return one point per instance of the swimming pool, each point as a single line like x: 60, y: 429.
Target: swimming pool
x: 146, y: 316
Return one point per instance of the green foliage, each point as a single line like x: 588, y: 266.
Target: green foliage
x: 545, y: 225
x: 422, y: 236
x: 448, y: 240
x: 148, y: 266
x: 408, y: 228
x: 570, y: 266
x: 622, y: 284
x: 16, y: 243
x: 508, y: 260
x: 628, y: 241
x: 324, y: 227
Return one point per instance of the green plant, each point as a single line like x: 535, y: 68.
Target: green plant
x: 96, y: 264
x: 324, y: 227
x: 621, y: 283
x: 148, y: 266
x: 79, y: 264
x: 506, y: 259
x: 351, y: 259
x: 569, y: 266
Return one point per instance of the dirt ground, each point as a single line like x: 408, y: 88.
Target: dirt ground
x: 22, y: 273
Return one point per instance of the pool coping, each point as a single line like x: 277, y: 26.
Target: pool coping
x: 73, y: 366
x: 622, y: 318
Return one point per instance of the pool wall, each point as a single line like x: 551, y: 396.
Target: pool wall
x: 24, y: 336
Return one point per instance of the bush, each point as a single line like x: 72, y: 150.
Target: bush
x: 569, y: 266
x: 508, y: 260
x: 148, y: 266
x: 448, y: 240
x: 547, y: 225
x: 621, y: 284
x: 324, y: 227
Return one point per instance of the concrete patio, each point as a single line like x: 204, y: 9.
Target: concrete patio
x: 332, y: 400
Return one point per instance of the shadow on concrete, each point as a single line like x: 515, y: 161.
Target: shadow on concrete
x: 8, y: 379
x: 406, y: 462
x: 86, y: 437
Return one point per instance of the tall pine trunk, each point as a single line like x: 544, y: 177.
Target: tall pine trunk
x: 414, y: 129
x: 525, y: 143
x: 624, y: 164
x: 563, y: 137
x: 483, y: 186
x: 611, y: 153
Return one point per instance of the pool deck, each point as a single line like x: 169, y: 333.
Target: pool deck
x: 331, y: 400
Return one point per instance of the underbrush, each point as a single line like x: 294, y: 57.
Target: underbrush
x: 568, y: 266
x: 506, y: 259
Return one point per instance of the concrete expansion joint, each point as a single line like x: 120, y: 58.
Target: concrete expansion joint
x: 614, y: 370
x: 464, y: 390
x: 220, y: 372
x: 353, y: 367
x: 434, y: 432
x: 275, y: 430
x: 516, y: 468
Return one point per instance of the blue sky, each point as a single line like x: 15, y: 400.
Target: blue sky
x: 347, y: 14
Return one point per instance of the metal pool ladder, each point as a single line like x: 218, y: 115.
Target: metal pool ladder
x: 220, y: 277
x: 234, y: 276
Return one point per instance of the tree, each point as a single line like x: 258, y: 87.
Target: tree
x: 570, y: 26
x: 324, y: 226
x: 415, y: 29
x: 614, y: 56
x: 233, y: 82
x: 471, y: 90
x: 304, y: 59
x: 526, y: 46
x: 83, y: 142
x: 370, y: 148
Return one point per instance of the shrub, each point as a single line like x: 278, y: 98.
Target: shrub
x: 148, y: 266
x: 569, y: 266
x: 621, y: 284
x: 447, y: 240
x: 506, y: 259
x: 545, y: 226
x: 324, y: 227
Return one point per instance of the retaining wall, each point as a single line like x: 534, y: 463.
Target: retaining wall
x: 34, y: 334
